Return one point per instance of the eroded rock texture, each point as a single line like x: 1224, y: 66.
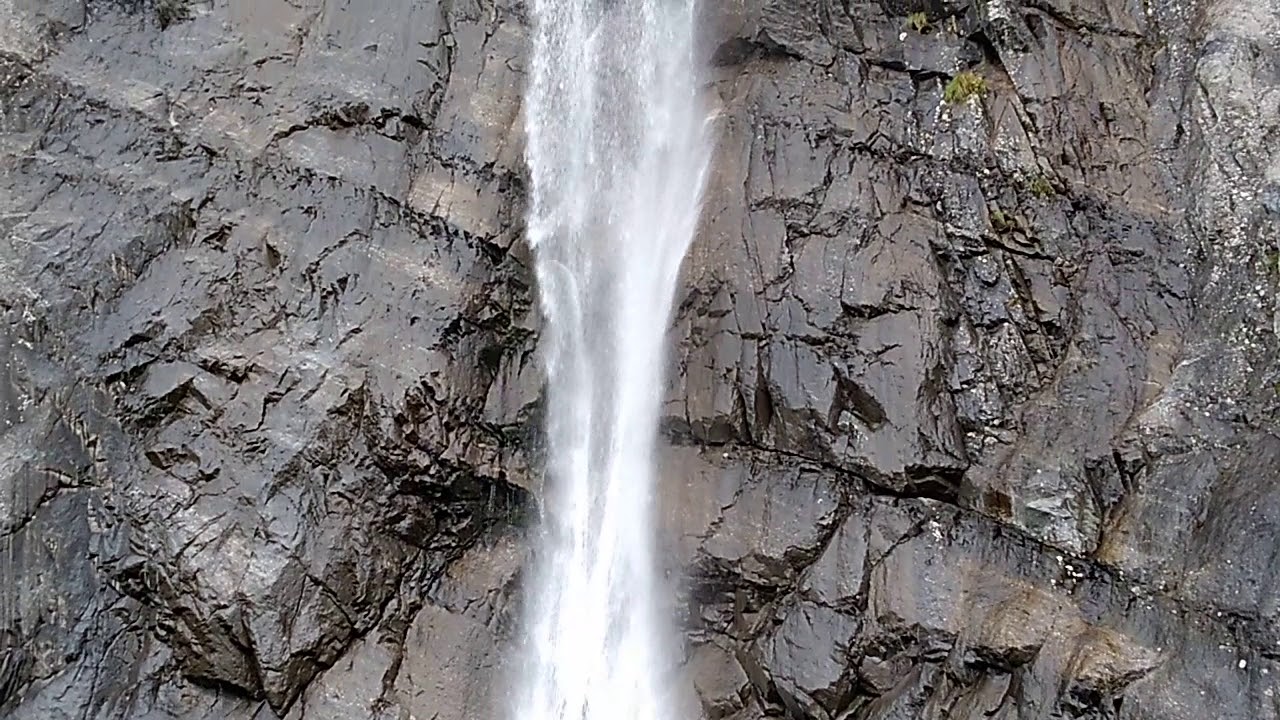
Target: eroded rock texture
x: 975, y: 401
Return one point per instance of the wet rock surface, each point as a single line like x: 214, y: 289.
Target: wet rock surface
x: 975, y: 392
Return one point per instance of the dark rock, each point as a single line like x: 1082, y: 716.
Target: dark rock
x: 806, y: 657
x: 718, y: 679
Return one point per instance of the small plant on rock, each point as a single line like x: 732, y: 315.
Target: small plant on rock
x: 963, y: 86
x: 1041, y: 187
x: 171, y: 12
x: 919, y: 22
x: 1002, y: 222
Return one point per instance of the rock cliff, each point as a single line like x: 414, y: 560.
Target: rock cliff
x: 974, y: 407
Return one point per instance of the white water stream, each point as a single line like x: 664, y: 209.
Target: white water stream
x: 618, y: 149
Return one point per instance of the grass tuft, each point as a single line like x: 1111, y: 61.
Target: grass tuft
x: 963, y: 86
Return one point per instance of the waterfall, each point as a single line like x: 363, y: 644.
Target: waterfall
x: 618, y: 148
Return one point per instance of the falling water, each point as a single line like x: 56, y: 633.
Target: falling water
x: 618, y: 147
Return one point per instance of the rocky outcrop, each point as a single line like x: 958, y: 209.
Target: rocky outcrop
x: 975, y: 403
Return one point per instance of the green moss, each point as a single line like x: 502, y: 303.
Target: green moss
x: 964, y: 86
x: 1041, y: 187
x: 170, y: 12
x: 918, y: 22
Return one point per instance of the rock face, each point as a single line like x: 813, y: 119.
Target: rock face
x: 977, y: 385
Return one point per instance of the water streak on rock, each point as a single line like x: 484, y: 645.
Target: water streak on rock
x: 618, y: 150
